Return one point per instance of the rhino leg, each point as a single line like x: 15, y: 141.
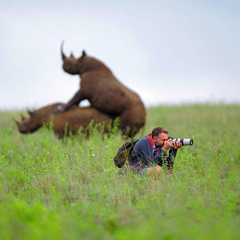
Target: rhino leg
x: 131, y: 122
x: 77, y: 98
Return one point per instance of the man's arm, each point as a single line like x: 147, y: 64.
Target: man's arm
x: 173, y: 153
x: 160, y: 157
x: 174, y: 148
x: 144, y: 151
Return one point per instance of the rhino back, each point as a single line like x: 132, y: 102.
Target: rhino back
x: 79, y: 117
x: 107, y: 94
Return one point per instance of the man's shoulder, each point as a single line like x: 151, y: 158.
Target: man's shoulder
x: 142, y: 147
x: 143, y: 140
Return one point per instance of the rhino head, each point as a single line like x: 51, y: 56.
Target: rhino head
x: 71, y: 64
x: 29, y: 125
x: 36, y: 119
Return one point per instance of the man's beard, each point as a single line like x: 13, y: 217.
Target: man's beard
x: 159, y: 145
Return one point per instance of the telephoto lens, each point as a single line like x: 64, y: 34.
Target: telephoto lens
x: 184, y: 141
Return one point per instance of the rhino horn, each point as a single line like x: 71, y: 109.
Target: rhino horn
x: 63, y: 55
x: 16, y: 121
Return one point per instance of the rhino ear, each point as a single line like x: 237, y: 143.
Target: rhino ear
x: 83, y: 53
x: 72, y: 56
x: 23, y: 118
x: 31, y: 113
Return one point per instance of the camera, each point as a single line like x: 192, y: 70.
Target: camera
x: 184, y: 141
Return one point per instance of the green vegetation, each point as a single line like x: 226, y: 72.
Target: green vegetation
x: 70, y: 189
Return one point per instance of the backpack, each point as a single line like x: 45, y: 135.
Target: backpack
x: 123, y: 154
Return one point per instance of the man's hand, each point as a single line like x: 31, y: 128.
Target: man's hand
x: 167, y: 144
x: 177, y: 145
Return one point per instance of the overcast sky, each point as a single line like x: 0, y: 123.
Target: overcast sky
x: 169, y: 52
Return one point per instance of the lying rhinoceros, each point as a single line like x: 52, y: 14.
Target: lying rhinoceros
x: 63, y: 123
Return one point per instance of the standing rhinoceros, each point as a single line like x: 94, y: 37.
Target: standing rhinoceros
x: 105, y: 93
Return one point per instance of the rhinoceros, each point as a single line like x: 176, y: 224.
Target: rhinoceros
x: 105, y: 92
x: 63, y: 123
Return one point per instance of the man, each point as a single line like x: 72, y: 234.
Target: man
x: 150, y: 152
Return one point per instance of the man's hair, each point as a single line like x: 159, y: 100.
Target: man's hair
x: 157, y: 130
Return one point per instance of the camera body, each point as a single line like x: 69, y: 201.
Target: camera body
x: 184, y: 141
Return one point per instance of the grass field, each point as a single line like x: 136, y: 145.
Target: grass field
x: 70, y: 189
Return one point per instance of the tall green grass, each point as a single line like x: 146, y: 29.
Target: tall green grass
x: 70, y: 189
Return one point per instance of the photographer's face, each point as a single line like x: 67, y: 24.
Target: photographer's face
x: 160, y: 139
